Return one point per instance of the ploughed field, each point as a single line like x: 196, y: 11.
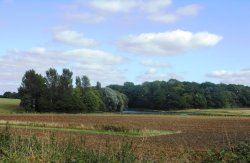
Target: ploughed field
x: 173, y: 134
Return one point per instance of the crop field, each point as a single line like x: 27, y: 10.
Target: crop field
x: 166, y: 136
x: 155, y: 137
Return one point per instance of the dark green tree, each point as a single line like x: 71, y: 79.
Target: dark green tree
x: 98, y: 85
x: 85, y: 82
x: 78, y: 82
x: 91, y: 101
x: 30, y: 91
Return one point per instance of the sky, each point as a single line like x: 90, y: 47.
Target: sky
x: 114, y: 41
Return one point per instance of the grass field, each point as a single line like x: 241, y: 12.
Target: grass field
x: 10, y: 106
x: 218, y: 112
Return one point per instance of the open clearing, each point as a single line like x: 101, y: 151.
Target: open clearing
x: 10, y: 106
x: 197, y: 132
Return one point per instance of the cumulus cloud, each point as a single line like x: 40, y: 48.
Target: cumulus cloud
x: 152, y: 74
x: 98, y: 65
x: 232, y: 77
x: 154, y: 10
x: 114, y: 5
x: 189, y: 10
x: 74, y: 38
x: 152, y: 6
x: 167, y: 43
x: 152, y: 63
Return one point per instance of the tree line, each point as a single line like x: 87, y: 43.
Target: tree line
x: 8, y: 94
x: 174, y: 94
x: 55, y: 92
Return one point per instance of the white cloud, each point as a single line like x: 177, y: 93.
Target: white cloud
x: 151, y: 71
x: 74, y: 38
x: 155, y: 10
x: 85, y: 17
x: 189, y: 10
x: 164, y: 18
x: 152, y: 63
x: 155, y: 6
x: 149, y: 6
x: 152, y: 74
x: 94, y: 56
x: 171, y: 17
x: 167, y: 43
x: 233, y: 77
x: 114, y: 5
x: 96, y: 64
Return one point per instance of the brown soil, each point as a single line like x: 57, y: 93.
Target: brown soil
x: 198, y: 133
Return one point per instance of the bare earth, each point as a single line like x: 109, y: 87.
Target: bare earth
x: 198, y: 133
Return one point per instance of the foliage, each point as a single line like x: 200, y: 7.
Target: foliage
x: 30, y: 90
x: 114, y: 100
x: 174, y: 94
x: 91, y: 100
x: 31, y: 149
x: 55, y: 93
x: 8, y: 94
x: 240, y: 154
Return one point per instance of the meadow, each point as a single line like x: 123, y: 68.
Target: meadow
x: 10, y: 106
x: 174, y: 138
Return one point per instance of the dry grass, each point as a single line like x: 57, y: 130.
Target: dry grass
x: 198, y: 133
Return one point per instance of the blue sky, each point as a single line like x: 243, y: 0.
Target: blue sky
x: 113, y: 41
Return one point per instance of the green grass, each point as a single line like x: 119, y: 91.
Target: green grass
x: 217, y: 112
x: 100, y: 129
x: 14, y: 148
x: 10, y: 106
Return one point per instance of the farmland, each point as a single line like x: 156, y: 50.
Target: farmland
x: 197, y: 133
x: 155, y: 137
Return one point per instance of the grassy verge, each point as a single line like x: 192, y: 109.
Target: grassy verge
x: 217, y: 112
x: 10, y: 106
x: 31, y: 149
x: 114, y: 130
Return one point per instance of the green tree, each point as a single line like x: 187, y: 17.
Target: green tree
x: 30, y: 91
x: 65, y: 103
x: 85, y: 82
x: 114, y: 101
x: 51, y: 95
x: 98, y: 85
x: 78, y: 82
x: 91, y: 101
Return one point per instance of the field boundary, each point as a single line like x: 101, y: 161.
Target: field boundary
x: 90, y: 130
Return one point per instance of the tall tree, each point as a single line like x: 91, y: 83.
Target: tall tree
x: 98, y: 85
x: 78, y: 82
x: 52, y: 83
x: 85, y: 82
x: 65, y: 103
x: 30, y: 91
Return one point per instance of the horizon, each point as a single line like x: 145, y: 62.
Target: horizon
x: 134, y: 40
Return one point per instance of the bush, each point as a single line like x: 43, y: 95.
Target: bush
x: 239, y: 154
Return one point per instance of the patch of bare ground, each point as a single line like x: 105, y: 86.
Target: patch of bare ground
x: 198, y: 133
